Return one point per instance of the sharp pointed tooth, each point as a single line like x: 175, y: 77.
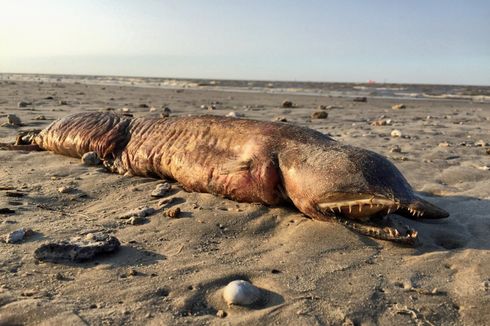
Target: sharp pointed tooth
x: 350, y: 208
x: 421, y: 213
x: 389, y: 210
x: 370, y: 205
x: 360, y: 208
x: 340, y: 208
x: 332, y: 209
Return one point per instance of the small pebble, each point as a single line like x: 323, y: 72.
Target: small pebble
x: 360, y: 99
x: 381, y: 122
x: 13, y: 120
x: 319, y: 115
x: 138, y: 212
x: 281, y: 119
x: 481, y: 143
x: 173, y: 212
x: 398, y: 106
x: 396, y: 133
x: 137, y: 220
x: 18, y: 235
x: 241, y: 293
x: 395, y: 149
x: 66, y: 189
x: 221, y: 314
x: 63, y: 102
x: 287, y: 104
x: 234, y: 114
x: 40, y: 117
x: 161, y: 190
x: 90, y: 158
x: 23, y: 104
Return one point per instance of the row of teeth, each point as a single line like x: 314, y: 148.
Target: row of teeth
x: 339, y: 207
x: 415, y: 212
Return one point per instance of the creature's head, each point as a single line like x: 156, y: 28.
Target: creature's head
x: 334, y: 180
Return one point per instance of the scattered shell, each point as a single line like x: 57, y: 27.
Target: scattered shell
x: 166, y: 109
x: 483, y: 167
x: 23, y: 104
x: 90, y: 158
x: 398, y: 106
x: 241, y: 293
x: 322, y: 107
x: 40, y: 117
x: 488, y: 151
x: 139, y: 212
x: 444, y: 144
x: 13, y: 120
x: 152, y: 109
x: 396, y: 133
x: 161, y: 190
x: 287, y: 104
x: 173, y: 212
x: 360, y: 99
x: 18, y: 235
x: 234, y: 114
x: 78, y: 249
x: 319, y: 115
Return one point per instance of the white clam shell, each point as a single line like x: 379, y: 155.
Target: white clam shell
x: 241, y: 293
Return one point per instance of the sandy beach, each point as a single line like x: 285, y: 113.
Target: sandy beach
x: 171, y: 271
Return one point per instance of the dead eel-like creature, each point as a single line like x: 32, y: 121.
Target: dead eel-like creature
x: 248, y: 161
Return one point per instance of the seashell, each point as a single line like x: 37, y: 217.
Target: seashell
x: 396, y: 133
x: 241, y: 293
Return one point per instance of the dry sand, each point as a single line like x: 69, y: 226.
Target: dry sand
x: 172, y: 271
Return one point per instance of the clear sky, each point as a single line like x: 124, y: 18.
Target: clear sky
x: 418, y: 41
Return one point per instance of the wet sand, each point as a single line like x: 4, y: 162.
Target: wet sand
x: 172, y: 270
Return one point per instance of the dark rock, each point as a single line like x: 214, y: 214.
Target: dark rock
x: 6, y: 210
x: 23, y: 104
x: 78, y: 249
x: 287, y: 104
x: 360, y: 99
x: 319, y: 115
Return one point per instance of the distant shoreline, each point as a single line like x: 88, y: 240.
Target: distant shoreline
x: 331, y: 89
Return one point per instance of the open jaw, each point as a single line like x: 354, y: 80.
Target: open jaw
x: 362, y: 216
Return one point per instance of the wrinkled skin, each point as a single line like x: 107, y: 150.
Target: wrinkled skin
x: 249, y: 161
